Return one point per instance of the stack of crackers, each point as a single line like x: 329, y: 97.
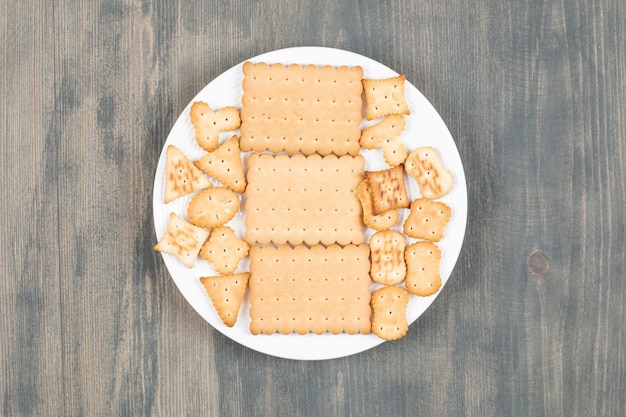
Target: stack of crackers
x: 309, y: 203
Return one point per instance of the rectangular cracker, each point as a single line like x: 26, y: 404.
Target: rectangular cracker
x: 303, y: 199
x: 388, y: 189
x: 306, y: 290
x: 295, y: 108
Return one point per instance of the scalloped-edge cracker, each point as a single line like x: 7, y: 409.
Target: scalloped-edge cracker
x: 425, y: 166
x: 390, y: 306
x: 181, y: 176
x: 224, y: 250
x: 296, y: 108
x: 213, y: 207
x: 387, y: 257
x: 208, y: 123
x: 317, y: 289
x: 224, y: 164
x: 384, y: 97
x: 388, y: 189
x: 423, y: 263
x: 182, y: 239
x: 385, y: 135
x: 427, y: 219
x: 226, y: 293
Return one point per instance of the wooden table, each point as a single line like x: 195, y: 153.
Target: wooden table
x: 530, y: 322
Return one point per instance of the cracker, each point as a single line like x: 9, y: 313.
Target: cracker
x: 224, y: 164
x: 303, y: 199
x: 306, y: 290
x: 213, y: 207
x: 388, y: 189
x: 384, y: 220
x: 226, y: 293
x: 224, y: 250
x: 423, y: 261
x: 182, y: 239
x: 386, y: 136
x: 181, y: 176
x: 390, y: 305
x: 427, y: 220
x: 387, y: 257
x: 208, y: 123
x: 384, y: 97
x: 425, y: 166
x: 309, y: 109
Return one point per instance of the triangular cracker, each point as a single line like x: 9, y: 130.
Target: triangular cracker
x: 224, y: 164
x: 226, y: 293
x: 209, y: 123
x: 224, y: 250
x: 183, y: 240
x: 181, y: 175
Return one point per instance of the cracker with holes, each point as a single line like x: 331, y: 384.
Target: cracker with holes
x: 318, y: 289
x: 427, y: 220
x: 390, y: 305
x: 226, y: 294
x: 208, y: 123
x: 181, y: 176
x: 301, y: 109
x: 425, y: 166
x: 382, y: 221
x: 224, y: 250
x: 385, y: 135
x: 224, y: 164
x: 384, y: 97
x: 388, y: 189
x: 213, y: 207
x: 387, y: 257
x: 423, y: 260
x: 303, y: 199
x: 183, y: 240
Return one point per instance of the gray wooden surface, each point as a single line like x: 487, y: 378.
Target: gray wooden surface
x: 534, y: 93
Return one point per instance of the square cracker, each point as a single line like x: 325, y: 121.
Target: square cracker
x: 303, y: 199
x: 388, y: 189
x: 427, y: 220
x: 295, y: 108
x: 306, y: 290
x: 182, y: 239
x: 384, y: 97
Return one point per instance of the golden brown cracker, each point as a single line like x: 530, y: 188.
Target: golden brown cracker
x: 294, y: 108
x: 425, y: 166
x: 226, y: 293
x: 388, y: 189
x: 224, y: 250
x: 390, y: 305
x: 208, y: 123
x: 224, y: 164
x: 213, y: 207
x: 313, y: 289
x: 427, y: 220
x: 303, y: 199
x: 384, y: 97
x: 181, y: 176
x: 182, y: 239
x: 381, y: 222
x: 423, y: 263
x: 387, y: 257
x: 386, y: 136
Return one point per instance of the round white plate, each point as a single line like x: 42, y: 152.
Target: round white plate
x: 424, y: 127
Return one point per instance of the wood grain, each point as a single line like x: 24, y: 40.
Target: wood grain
x: 534, y: 93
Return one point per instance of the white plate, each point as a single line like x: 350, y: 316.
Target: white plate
x: 424, y: 127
